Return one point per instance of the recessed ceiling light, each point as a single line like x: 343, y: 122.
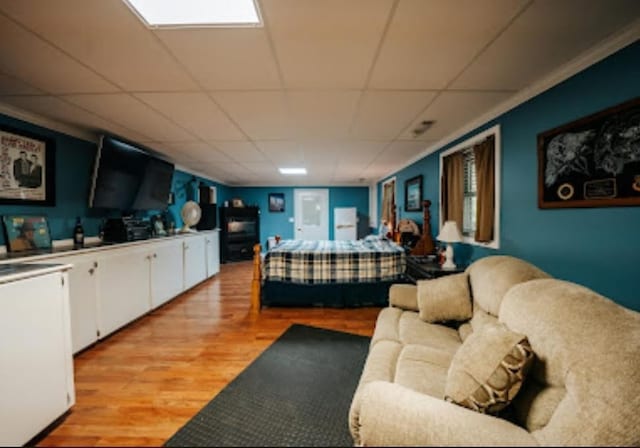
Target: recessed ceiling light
x: 293, y: 170
x: 190, y: 13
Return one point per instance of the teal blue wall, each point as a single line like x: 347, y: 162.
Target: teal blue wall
x: 596, y: 247
x: 74, y: 166
x: 272, y: 223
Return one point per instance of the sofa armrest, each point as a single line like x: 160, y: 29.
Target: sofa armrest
x: 393, y: 415
x: 404, y: 296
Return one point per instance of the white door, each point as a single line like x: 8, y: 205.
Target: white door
x: 123, y: 291
x: 345, y: 223
x: 195, y: 261
x: 311, y: 214
x: 166, y: 272
x: 212, y: 242
x: 83, y: 298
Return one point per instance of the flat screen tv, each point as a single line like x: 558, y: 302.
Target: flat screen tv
x: 127, y: 178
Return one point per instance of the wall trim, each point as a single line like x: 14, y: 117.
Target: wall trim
x: 600, y: 51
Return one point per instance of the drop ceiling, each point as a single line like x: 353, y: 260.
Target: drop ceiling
x: 336, y: 86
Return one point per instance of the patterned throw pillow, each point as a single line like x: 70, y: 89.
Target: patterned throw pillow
x: 488, y: 369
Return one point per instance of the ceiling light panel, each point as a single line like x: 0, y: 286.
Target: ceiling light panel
x: 195, y: 13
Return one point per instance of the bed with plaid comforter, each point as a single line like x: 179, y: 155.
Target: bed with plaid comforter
x: 334, y: 262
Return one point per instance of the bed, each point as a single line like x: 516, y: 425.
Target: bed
x: 351, y: 273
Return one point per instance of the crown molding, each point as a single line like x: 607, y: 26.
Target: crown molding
x: 595, y: 54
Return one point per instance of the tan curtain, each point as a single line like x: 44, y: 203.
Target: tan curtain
x: 388, y: 202
x: 484, y: 153
x: 453, y: 188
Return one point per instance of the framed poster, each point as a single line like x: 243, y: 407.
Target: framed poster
x: 27, y: 168
x: 276, y: 202
x: 593, y: 161
x: 413, y: 194
x: 26, y: 233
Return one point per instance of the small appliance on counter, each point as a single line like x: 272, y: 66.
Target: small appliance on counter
x: 120, y: 230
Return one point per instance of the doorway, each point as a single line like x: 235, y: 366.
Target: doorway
x: 311, y: 214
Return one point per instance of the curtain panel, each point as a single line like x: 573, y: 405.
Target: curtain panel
x: 484, y: 153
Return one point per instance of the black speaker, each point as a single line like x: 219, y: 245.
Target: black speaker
x: 208, y: 219
x: 207, y: 194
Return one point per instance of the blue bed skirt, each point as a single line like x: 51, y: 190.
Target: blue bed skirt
x: 334, y: 295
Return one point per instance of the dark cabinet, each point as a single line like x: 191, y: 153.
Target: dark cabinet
x: 239, y: 232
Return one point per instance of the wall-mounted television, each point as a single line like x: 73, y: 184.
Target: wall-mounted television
x: 127, y: 177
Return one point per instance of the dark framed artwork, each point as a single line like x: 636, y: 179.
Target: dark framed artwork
x: 413, y: 194
x: 276, y: 202
x: 26, y: 233
x: 27, y: 168
x: 593, y: 161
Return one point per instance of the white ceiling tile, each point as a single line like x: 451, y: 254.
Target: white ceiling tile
x: 322, y: 114
x: 533, y: 45
x: 281, y: 151
x: 452, y: 110
x: 329, y: 43
x: 240, y: 151
x: 200, y: 151
x: 15, y: 86
x: 106, y: 36
x: 355, y: 153
x: 43, y: 66
x: 429, y: 42
x: 195, y: 112
x: 260, y: 114
x: 225, y: 58
x: 131, y: 113
x: 384, y: 114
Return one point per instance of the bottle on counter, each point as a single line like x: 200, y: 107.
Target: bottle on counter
x: 78, y: 234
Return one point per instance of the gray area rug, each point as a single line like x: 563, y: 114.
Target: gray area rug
x: 296, y: 393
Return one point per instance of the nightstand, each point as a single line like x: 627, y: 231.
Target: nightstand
x: 421, y: 267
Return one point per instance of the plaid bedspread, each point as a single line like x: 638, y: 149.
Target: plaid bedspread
x: 316, y: 262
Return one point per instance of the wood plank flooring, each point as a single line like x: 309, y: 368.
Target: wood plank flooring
x: 143, y: 383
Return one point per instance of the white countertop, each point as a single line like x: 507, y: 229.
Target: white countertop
x: 30, y: 257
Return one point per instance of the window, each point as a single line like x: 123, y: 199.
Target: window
x: 470, y: 191
x: 470, y: 188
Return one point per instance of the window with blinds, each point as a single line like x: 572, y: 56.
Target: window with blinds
x: 470, y: 193
x: 460, y: 173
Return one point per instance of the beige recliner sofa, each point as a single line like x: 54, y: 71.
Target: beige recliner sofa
x: 582, y: 389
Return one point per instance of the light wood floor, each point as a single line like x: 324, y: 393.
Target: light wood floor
x: 143, y: 383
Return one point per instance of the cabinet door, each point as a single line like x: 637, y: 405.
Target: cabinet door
x: 123, y: 288
x: 166, y: 272
x: 34, y: 357
x: 83, y: 297
x: 212, y: 241
x: 195, y: 263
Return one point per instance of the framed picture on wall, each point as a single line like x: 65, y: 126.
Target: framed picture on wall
x: 593, y: 161
x: 413, y: 194
x: 26, y: 233
x: 276, y: 202
x: 27, y: 168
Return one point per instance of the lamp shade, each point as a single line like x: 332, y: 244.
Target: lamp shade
x: 449, y: 233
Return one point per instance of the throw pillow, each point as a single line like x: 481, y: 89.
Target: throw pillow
x: 444, y: 299
x: 488, y: 369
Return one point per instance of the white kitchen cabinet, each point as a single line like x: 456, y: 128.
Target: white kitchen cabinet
x: 83, y: 298
x: 123, y: 287
x: 212, y: 246
x: 166, y: 273
x: 195, y: 263
x: 36, y: 363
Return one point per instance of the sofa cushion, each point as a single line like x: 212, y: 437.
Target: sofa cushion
x: 445, y: 298
x: 423, y: 369
x: 488, y: 370
x: 412, y: 330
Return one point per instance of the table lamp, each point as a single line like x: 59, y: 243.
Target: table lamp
x: 449, y: 234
